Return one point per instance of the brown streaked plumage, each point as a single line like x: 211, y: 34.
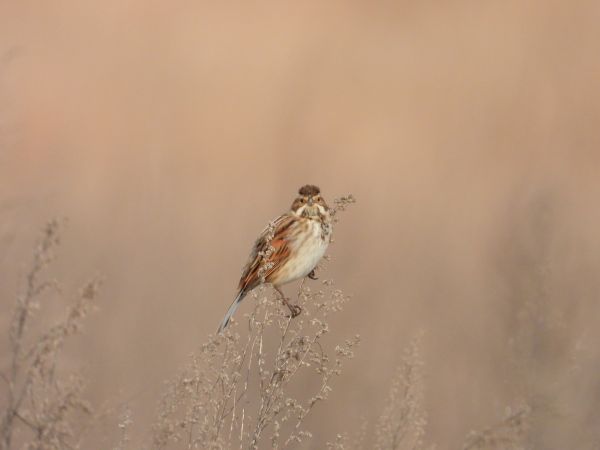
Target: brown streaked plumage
x: 309, y: 189
x: 288, y: 249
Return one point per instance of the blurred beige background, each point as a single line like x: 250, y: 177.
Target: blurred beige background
x: 170, y: 133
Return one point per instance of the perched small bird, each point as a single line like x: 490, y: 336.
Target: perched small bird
x: 288, y: 249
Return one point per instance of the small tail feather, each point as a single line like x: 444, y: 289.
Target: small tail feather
x: 231, y: 311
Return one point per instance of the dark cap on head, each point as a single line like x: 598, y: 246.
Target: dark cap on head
x: 309, y: 189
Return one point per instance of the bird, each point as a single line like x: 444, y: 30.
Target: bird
x: 288, y: 249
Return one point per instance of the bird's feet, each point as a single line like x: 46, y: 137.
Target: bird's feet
x: 295, y: 310
x: 312, y: 275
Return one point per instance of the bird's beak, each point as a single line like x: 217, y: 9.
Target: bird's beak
x: 310, y: 201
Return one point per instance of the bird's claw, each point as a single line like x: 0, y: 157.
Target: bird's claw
x: 312, y: 275
x: 295, y: 310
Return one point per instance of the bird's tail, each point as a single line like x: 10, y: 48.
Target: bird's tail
x: 231, y: 310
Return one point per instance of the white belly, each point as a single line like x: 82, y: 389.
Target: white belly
x: 307, y: 255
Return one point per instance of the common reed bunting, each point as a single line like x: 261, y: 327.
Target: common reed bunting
x: 288, y: 249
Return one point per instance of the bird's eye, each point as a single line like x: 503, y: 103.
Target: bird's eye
x: 302, y: 199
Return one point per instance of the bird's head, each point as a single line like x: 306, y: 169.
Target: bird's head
x: 309, y: 202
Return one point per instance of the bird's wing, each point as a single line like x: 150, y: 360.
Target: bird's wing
x: 270, y: 251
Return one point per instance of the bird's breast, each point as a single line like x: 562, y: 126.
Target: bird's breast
x: 309, y: 243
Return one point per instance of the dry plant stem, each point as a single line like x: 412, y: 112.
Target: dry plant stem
x: 41, y: 402
x: 43, y: 255
x: 402, y: 423
x: 124, y: 424
x: 506, y: 435
x: 267, y: 402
